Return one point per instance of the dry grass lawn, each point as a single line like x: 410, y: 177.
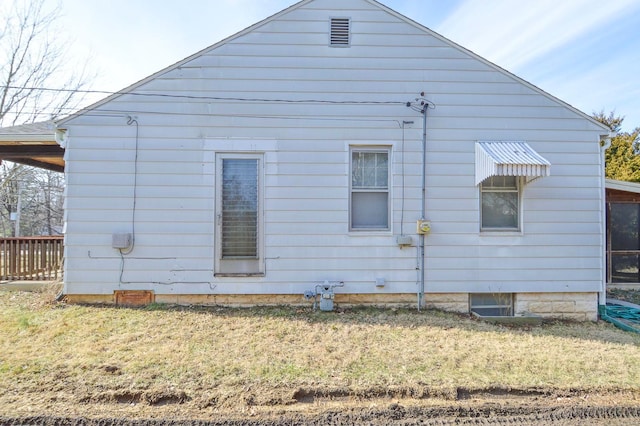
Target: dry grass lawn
x: 192, y: 362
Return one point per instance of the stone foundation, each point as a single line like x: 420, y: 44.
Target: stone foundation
x: 248, y: 300
x: 575, y: 306
x: 451, y: 302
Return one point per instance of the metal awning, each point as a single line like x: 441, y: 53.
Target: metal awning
x: 509, y: 159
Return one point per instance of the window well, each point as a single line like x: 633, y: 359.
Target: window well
x: 491, y: 304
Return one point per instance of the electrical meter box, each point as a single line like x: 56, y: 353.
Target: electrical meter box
x: 423, y: 227
x: 121, y: 241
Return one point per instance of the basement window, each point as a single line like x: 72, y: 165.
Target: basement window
x: 340, y: 32
x: 491, y: 304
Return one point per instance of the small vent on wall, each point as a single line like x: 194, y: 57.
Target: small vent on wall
x: 340, y: 32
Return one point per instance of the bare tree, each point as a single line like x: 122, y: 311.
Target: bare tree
x: 32, y: 63
x: 10, y: 178
x: 36, y: 84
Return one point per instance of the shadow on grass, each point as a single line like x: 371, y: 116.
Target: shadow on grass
x: 403, y: 318
x: 409, y: 318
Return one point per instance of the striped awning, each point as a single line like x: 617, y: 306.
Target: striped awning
x: 509, y: 159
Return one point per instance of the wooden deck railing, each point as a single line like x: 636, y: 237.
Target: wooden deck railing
x: 31, y: 258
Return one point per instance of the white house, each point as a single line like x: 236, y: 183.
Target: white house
x: 336, y: 141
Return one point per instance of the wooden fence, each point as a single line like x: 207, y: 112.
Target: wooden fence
x: 31, y: 258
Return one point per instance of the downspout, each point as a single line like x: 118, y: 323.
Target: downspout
x: 425, y: 106
x: 61, y: 137
x: 605, y: 143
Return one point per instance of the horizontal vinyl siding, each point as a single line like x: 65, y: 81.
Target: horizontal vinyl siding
x: 306, y: 166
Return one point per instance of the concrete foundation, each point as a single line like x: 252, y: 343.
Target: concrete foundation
x: 575, y: 306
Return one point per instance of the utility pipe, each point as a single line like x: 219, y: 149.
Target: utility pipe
x: 605, y: 143
x: 425, y: 106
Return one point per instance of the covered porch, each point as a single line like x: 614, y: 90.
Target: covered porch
x: 623, y: 234
x: 33, y: 258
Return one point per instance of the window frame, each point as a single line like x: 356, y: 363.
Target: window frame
x: 519, y: 184
x: 241, y: 265
x: 502, y: 306
x: 387, y: 149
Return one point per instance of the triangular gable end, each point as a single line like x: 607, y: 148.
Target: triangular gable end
x: 606, y: 132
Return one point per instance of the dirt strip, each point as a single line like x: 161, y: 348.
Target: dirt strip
x: 394, y: 414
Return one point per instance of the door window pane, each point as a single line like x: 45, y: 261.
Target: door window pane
x: 239, y: 207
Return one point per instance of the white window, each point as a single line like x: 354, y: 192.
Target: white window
x: 369, y: 209
x: 239, y: 206
x: 500, y: 203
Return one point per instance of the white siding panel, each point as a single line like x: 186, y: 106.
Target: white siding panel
x: 436, y: 239
x: 202, y: 255
x: 296, y: 216
x: 171, y: 225
x: 490, y: 286
x: 465, y: 253
x: 511, y: 275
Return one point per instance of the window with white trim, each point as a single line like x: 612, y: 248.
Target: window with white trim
x: 369, y: 188
x: 500, y: 203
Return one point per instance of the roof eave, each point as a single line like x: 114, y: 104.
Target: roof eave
x: 620, y: 185
x: 28, y: 138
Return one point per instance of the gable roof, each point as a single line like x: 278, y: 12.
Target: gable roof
x: 605, y: 130
x: 40, y: 131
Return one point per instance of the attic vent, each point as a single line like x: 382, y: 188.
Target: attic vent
x: 340, y: 32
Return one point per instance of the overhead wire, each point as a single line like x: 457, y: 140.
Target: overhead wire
x: 122, y: 112
x: 125, y: 113
x: 216, y: 98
